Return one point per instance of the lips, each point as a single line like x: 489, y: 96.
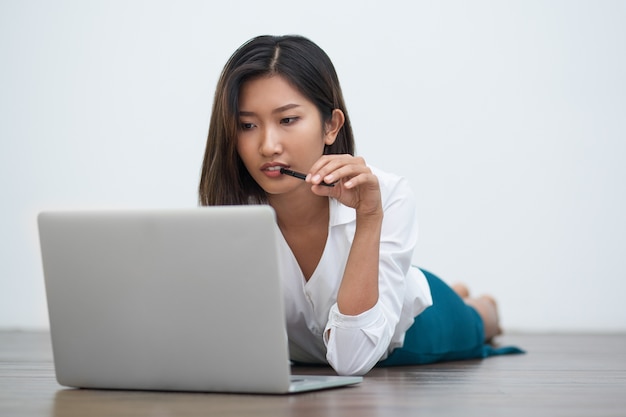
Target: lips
x: 273, y: 166
x: 272, y: 170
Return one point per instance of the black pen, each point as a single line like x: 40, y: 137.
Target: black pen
x: 300, y: 175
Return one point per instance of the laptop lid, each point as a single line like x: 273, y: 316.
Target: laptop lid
x: 186, y: 299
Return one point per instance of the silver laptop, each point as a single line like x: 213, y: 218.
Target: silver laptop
x: 182, y: 300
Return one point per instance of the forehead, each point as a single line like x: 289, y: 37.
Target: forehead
x: 269, y: 92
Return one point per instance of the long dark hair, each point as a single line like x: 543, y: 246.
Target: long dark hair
x: 224, y: 179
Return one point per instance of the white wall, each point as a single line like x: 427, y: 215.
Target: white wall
x: 508, y: 117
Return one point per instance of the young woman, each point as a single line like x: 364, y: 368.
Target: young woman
x: 352, y: 298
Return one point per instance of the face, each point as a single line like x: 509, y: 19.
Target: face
x: 279, y: 127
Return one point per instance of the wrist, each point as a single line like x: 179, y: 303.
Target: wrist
x: 374, y: 217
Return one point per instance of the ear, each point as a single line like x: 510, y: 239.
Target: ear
x: 333, y: 126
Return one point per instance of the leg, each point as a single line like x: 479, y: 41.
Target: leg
x: 455, y: 327
x: 486, y: 307
x: 488, y: 310
x: 450, y: 329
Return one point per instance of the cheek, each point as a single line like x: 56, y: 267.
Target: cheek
x: 244, y: 154
x: 243, y: 149
x: 315, y: 137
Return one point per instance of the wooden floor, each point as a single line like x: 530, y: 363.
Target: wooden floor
x: 560, y: 375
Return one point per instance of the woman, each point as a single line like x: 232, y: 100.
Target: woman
x: 352, y: 298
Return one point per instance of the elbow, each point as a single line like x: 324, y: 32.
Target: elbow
x: 353, y: 363
x: 352, y: 348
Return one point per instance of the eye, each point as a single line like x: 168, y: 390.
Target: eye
x: 288, y: 120
x: 246, y: 126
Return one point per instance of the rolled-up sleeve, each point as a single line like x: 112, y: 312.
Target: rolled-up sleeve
x: 354, y: 344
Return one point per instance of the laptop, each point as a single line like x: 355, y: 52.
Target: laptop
x: 169, y: 300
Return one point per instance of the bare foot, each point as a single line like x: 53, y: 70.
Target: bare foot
x: 487, y: 308
x: 461, y: 290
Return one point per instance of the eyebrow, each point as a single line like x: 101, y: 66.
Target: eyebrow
x: 275, y: 111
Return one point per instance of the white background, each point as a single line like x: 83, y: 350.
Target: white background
x: 507, y: 117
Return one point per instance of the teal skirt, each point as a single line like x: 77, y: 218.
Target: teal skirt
x: 446, y: 331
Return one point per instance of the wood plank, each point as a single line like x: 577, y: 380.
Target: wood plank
x: 562, y: 374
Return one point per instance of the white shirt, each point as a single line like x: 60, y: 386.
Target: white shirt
x: 352, y: 345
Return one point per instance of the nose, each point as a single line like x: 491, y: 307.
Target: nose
x: 271, y: 143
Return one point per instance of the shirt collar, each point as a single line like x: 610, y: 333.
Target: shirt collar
x: 340, y: 214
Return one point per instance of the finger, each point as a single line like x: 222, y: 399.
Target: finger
x: 327, y: 163
x: 345, y: 173
x: 332, y: 168
x: 365, y: 180
x: 322, y: 167
x: 322, y: 190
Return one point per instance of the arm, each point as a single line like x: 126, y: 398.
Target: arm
x: 358, y: 291
x: 356, y: 340
x: 358, y: 188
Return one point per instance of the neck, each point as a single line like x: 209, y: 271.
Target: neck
x: 294, y: 212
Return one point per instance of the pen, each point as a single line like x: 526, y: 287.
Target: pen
x: 300, y: 175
